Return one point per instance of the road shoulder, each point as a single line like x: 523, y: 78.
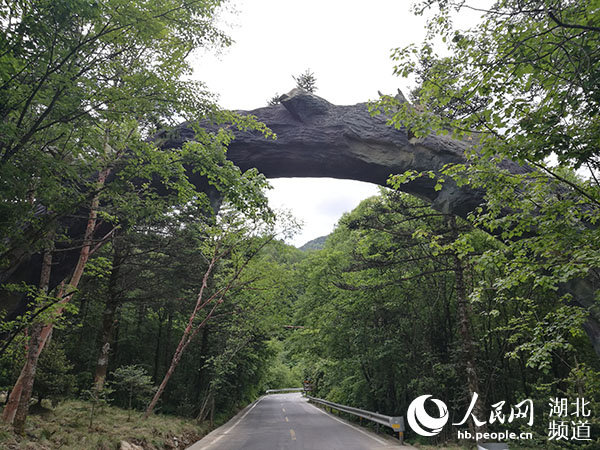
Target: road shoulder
x: 389, y: 441
x: 216, y: 434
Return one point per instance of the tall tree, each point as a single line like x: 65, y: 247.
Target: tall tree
x: 229, y: 244
x: 81, y: 82
x: 524, y: 79
x: 522, y: 84
x: 18, y: 408
x: 83, y: 86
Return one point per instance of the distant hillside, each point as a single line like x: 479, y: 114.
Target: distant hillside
x: 315, y: 244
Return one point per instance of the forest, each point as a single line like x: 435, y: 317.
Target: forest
x: 147, y: 293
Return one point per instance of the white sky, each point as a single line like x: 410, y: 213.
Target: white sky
x: 346, y: 44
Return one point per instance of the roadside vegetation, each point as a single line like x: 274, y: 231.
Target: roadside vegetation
x: 67, y: 427
x: 147, y: 302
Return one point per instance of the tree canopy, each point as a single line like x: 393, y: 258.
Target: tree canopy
x: 178, y: 287
x: 524, y: 80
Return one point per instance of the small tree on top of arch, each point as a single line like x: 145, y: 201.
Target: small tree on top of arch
x: 306, y: 81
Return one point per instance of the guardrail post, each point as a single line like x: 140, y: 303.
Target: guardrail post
x: 397, y: 424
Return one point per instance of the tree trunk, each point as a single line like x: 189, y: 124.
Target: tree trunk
x: 163, y: 384
x: 21, y: 392
x: 129, y: 404
x: 201, y: 371
x: 203, y: 409
x: 28, y: 377
x: 157, y: 347
x: 464, y: 326
x: 116, y: 333
x: 188, y: 334
x: 168, y: 338
x: 113, y: 302
x: 17, y: 408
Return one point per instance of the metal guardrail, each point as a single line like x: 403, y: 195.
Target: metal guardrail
x: 395, y: 423
x: 274, y: 391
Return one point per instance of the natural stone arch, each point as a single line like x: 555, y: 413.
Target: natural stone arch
x: 318, y: 139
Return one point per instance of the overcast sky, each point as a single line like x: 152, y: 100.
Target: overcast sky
x: 346, y: 44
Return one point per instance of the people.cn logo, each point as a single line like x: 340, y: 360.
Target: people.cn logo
x: 421, y: 422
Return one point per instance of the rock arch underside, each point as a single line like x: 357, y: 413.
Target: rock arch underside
x: 318, y: 139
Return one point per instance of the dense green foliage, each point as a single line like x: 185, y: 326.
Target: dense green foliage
x: 69, y: 430
x: 525, y: 79
x: 196, y: 290
x: 82, y: 81
x: 520, y: 85
x: 84, y: 86
x: 228, y: 361
x: 523, y: 85
x: 381, y: 319
x: 314, y: 244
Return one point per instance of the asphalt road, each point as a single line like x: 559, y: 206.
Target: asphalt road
x: 288, y: 421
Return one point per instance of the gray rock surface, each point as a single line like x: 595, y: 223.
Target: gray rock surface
x: 318, y: 139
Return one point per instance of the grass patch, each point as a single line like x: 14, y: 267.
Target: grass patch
x: 67, y: 427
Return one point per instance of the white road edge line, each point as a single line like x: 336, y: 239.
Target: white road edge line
x: 243, y: 417
x: 347, y: 424
x: 213, y: 442
x: 233, y: 426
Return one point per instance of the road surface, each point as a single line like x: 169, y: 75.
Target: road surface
x: 289, y: 422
